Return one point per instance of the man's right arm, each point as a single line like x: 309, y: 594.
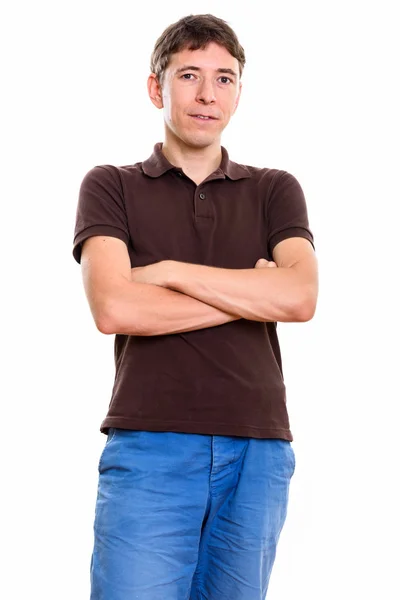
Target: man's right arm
x: 120, y: 305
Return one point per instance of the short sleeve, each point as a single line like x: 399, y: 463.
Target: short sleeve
x: 101, y: 208
x: 287, y: 212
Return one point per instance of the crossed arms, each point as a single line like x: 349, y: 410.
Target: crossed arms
x: 171, y: 297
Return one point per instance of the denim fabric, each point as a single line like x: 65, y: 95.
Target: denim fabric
x: 188, y: 517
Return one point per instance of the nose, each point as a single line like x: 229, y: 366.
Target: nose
x: 206, y: 92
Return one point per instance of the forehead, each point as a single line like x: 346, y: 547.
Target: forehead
x: 213, y: 56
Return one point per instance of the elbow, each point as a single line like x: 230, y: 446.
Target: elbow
x: 103, y: 316
x: 305, y: 308
x: 104, y: 324
x: 112, y: 322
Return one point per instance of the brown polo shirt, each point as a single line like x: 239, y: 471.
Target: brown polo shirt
x: 223, y: 380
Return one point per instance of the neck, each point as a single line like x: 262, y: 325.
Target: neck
x: 197, y: 163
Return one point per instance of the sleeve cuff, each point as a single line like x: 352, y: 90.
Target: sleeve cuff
x: 289, y: 233
x: 96, y: 230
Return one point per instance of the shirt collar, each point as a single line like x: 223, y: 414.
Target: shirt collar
x: 158, y: 164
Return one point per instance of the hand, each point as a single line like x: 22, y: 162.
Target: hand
x: 156, y: 273
x: 264, y: 263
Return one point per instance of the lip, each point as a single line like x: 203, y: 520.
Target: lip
x: 210, y: 118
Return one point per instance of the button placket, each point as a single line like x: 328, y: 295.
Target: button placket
x: 202, y: 207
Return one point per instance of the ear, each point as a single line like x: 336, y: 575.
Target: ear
x: 154, y: 90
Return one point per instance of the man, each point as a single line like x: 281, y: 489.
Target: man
x: 195, y: 472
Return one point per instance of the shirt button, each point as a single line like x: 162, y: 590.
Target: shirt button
x: 202, y: 196
x: 180, y: 174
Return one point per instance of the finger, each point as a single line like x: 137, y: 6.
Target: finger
x: 262, y: 262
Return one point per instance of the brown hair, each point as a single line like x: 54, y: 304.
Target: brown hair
x: 194, y: 32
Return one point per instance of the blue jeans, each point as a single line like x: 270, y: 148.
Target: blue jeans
x: 188, y: 517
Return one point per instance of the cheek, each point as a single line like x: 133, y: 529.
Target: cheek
x: 166, y: 106
x: 179, y: 110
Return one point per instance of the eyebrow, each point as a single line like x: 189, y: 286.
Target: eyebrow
x: 193, y: 68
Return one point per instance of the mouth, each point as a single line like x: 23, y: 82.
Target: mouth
x: 204, y: 118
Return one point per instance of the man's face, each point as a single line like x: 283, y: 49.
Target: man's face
x: 200, y: 82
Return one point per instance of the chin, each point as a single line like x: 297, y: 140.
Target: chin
x: 199, y: 140
x: 194, y: 139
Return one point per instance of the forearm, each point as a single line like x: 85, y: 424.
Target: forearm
x: 147, y: 309
x: 255, y: 294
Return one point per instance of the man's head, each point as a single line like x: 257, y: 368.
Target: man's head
x: 196, y: 66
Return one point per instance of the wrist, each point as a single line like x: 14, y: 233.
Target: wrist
x: 169, y: 274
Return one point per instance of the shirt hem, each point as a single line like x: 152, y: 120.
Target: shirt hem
x: 196, y: 427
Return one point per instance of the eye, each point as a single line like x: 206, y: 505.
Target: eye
x: 187, y: 75
x: 228, y: 78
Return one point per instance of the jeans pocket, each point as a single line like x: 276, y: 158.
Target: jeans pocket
x: 110, y: 437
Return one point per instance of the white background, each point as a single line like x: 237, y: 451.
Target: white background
x: 320, y: 101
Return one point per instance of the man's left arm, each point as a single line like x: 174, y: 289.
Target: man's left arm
x: 287, y: 293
